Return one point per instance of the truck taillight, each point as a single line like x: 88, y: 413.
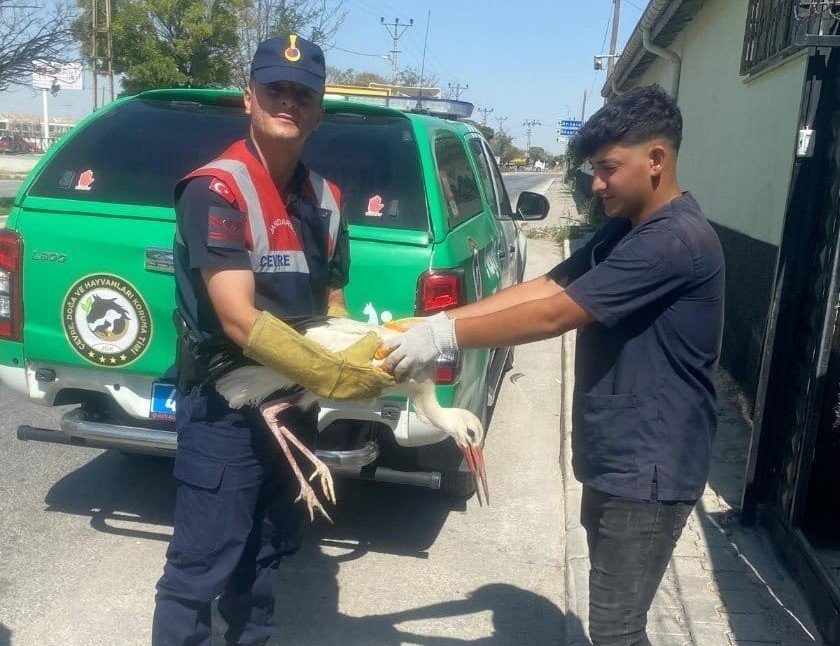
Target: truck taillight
x: 11, y: 300
x: 440, y: 290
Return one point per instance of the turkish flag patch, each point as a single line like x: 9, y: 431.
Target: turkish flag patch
x: 220, y: 188
x: 226, y: 228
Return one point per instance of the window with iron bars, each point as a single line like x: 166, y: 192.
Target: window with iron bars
x: 768, y: 35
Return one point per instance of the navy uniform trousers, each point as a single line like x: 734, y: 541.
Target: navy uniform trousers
x: 235, y: 520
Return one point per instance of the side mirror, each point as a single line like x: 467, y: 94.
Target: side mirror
x: 531, y: 206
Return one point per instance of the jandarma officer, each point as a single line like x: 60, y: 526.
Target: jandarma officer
x: 259, y: 237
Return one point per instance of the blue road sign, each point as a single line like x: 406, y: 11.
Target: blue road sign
x: 571, y: 123
x: 568, y: 132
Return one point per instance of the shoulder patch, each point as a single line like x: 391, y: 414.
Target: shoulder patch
x: 220, y: 188
x: 226, y: 228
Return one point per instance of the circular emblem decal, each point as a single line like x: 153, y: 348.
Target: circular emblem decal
x: 106, y: 320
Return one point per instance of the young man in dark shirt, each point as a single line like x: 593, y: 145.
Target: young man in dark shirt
x: 646, y: 295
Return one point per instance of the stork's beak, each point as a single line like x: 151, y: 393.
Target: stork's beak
x: 474, y: 455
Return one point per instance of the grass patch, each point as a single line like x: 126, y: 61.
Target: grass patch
x: 6, y: 205
x: 557, y: 234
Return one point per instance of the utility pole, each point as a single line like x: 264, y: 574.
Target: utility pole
x: 529, y: 124
x: 484, y: 112
x: 457, y: 89
x: 583, y: 109
x: 395, y: 30
x: 614, y: 39
x: 501, y: 121
x: 101, y: 64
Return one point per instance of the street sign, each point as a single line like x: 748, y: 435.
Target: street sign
x: 571, y: 123
x: 569, y: 132
x: 67, y: 76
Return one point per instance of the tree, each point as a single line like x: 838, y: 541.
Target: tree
x: 410, y: 77
x: 537, y: 153
x: 31, y: 34
x: 350, y: 76
x: 169, y: 43
x: 259, y: 20
x: 486, y: 131
x: 502, y: 146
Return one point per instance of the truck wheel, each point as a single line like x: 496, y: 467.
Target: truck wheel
x: 458, y: 484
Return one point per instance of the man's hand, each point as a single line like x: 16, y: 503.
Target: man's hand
x: 416, y: 350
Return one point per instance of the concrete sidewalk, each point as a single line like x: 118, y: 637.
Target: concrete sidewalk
x: 724, y: 585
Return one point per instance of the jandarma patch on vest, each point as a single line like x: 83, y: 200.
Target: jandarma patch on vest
x: 106, y: 320
x: 225, y: 228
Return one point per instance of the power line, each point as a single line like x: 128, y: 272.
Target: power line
x: 501, y: 121
x: 603, y: 44
x: 484, y: 112
x: 397, y: 33
x: 457, y: 89
x: 350, y: 51
x: 529, y: 124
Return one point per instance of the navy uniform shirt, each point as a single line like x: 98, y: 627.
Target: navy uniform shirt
x: 645, y: 411
x: 201, y: 250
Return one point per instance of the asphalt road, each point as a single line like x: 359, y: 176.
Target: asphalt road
x: 518, y: 182
x: 83, y: 534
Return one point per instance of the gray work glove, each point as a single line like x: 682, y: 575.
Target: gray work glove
x: 417, y: 350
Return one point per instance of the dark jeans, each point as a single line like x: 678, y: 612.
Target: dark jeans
x: 630, y: 544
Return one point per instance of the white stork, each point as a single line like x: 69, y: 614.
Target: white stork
x: 255, y: 385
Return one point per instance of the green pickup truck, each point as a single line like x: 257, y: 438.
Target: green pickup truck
x: 87, y: 292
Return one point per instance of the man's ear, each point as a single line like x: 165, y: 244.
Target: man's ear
x: 657, y: 158
x: 248, y: 97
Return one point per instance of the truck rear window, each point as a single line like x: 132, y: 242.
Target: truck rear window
x: 138, y: 151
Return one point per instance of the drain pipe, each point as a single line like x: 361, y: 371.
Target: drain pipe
x: 675, y: 59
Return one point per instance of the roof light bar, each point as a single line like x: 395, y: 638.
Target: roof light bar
x: 437, y: 107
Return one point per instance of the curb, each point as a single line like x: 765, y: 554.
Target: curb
x: 576, y: 558
x: 3, y: 221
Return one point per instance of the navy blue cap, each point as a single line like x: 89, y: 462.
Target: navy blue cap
x: 290, y: 58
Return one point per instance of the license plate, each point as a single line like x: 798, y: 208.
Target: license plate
x: 163, y: 402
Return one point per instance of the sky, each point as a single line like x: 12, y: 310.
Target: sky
x: 526, y: 60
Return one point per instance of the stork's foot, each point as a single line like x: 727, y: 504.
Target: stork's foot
x: 322, y: 472
x: 284, y: 437
x: 307, y: 495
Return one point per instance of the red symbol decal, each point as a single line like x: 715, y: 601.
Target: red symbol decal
x: 375, y: 206
x: 219, y: 187
x: 85, y: 180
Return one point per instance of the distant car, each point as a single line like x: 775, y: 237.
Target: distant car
x: 431, y: 228
x: 16, y: 144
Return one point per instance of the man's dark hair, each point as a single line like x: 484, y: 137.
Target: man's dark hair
x: 633, y: 117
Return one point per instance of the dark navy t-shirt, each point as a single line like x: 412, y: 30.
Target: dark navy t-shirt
x: 645, y: 409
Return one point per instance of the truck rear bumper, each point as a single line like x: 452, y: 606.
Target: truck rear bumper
x: 132, y: 393
x: 76, y: 430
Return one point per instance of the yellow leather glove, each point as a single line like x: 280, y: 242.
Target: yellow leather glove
x: 338, y: 311
x: 335, y: 375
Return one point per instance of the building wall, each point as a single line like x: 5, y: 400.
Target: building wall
x: 736, y: 158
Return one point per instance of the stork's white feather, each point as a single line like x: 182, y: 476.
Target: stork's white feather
x: 251, y: 385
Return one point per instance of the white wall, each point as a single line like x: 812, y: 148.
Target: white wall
x: 739, y: 135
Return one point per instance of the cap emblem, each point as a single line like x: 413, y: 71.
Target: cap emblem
x: 292, y: 53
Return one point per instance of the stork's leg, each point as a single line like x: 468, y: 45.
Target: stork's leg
x: 322, y: 471
x: 270, y: 413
